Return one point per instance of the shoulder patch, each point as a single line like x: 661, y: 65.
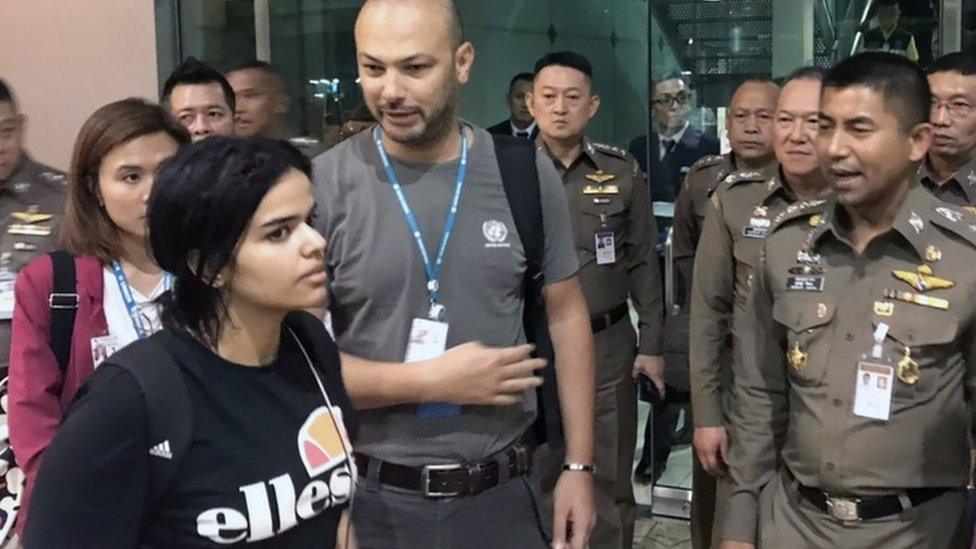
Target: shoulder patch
x: 706, y: 162
x: 959, y: 221
x: 609, y: 149
x: 805, y: 209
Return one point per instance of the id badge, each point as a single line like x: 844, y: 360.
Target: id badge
x: 606, y: 252
x: 428, y: 339
x: 7, y: 280
x: 872, y: 389
x: 103, y: 347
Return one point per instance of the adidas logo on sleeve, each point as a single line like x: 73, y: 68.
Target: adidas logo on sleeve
x: 161, y: 450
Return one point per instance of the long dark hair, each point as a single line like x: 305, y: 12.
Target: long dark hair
x: 200, y: 206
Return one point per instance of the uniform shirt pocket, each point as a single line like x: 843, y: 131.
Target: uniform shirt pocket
x: 609, y: 215
x: 927, y: 338
x: 807, y: 324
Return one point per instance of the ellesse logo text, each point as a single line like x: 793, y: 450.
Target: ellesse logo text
x: 322, y: 443
x: 225, y: 525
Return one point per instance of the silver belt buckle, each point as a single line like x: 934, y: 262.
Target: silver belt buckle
x: 425, y: 480
x: 843, y: 509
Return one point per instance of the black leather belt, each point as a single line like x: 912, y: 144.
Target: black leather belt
x: 451, y: 480
x: 855, y: 509
x: 602, y: 322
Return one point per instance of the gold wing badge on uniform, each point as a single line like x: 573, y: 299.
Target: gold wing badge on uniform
x: 600, y: 179
x: 923, y: 280
x: 29, y: 223
x: 31, y: 217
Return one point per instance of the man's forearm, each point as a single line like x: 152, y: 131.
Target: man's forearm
x: 572, y: 341
x: 374, y: 384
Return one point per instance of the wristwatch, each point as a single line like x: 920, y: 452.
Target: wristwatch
x: 584, y: 467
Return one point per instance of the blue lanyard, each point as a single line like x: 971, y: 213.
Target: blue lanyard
x: 130, y: 302
x: 433, y: 270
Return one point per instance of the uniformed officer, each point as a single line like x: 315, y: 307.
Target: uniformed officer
x: 615, y: 232
x: 32, y: 199
x: 739, y: 217
x: 750, y: 130
x: 949, y: 170
x: 873, y: 283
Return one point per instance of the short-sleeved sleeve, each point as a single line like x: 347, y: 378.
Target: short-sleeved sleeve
x: 560, y: 255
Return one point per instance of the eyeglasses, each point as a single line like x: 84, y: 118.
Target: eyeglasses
x: 666, y: 100
x: 954, y: 108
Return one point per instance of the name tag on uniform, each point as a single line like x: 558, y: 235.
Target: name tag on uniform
x: 872, y: 390
x: 103, y: 347
x: 428, y: 339
x: 606, y: 252
x: 805, y: 284
x: 755, y: 232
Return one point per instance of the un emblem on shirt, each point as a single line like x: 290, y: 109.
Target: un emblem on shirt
x: 495, y: 233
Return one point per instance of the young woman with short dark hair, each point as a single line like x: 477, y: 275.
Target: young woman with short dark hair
x: 268, y: 461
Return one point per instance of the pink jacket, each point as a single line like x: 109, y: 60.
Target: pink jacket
x: 38, y: 394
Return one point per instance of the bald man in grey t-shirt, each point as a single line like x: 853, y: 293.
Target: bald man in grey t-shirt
x: 378, y: 284
x: 436, y: 361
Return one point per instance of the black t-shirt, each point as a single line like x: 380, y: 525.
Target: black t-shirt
x: 266, y: 466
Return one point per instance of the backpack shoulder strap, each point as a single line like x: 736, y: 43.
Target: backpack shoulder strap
x: 64, y: 304
x: 520, y: 178
x: 516, y: 161
x: 170, y: 411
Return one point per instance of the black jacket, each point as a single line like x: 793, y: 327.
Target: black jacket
x: 666, y: 176
x: 505, y: 128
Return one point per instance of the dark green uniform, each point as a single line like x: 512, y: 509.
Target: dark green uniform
x: 615, y: 235
x: 31, y: 194
x: 863, y: 365
x: 960, y: 189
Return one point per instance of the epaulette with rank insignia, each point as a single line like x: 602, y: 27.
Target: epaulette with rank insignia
x: 959, y: 221
x: 54, y: 177
x: 812, y: 209
x: 744, y: 176
x: 706, y: 162
x: 609, y: 149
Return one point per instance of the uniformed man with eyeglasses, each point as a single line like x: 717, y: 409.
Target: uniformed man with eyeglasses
x: 949, y: 170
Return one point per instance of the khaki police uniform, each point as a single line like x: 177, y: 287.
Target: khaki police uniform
x: 741, y: 211
x: 960, y: 189
x: 31, y: 203
x: 829, y: 331
x: 610, y: 202
x: 693, y: 204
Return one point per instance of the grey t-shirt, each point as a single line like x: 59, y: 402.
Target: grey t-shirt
x: 377, y: 283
